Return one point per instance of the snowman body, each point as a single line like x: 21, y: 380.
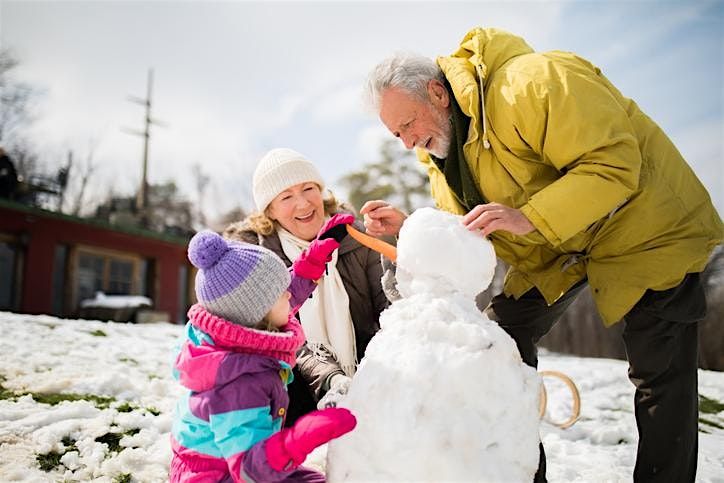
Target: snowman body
x: 442, y: 393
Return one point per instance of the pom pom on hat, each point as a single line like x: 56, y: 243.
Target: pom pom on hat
x: 279, y: 169
x: 236, y: 281
x: 205, y: 249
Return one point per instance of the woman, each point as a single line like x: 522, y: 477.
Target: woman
x: 343, y: 314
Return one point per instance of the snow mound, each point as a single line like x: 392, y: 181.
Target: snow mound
x: 442, y: 393
x: 444, y: 257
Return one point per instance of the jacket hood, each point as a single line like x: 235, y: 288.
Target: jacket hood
x: 469, y: 69
x: 489, y: 49
x: 202, y: 367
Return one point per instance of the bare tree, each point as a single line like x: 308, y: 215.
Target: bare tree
x: 15, y: 102
x: 81, y: 176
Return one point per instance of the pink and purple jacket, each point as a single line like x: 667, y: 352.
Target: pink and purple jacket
x: 236, y: 377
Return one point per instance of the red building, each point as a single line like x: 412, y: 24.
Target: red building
x: 49, y: 262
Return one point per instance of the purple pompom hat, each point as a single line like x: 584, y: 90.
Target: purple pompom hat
x: 236, y: 281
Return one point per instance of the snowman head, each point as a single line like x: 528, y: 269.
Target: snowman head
x: 437, y: 254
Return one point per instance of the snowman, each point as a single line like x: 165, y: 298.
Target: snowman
x: 442, y: 393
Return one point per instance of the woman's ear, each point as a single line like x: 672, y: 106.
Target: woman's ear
x: 438, y: 93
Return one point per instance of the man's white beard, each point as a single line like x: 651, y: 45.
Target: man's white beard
x: 443, y: 142
x: 443, y: 147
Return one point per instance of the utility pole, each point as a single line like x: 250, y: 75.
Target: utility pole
x: 142, y: 195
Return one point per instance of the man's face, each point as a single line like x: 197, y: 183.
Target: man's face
x: 420, y: 124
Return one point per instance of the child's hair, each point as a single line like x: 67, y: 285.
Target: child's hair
x: 266, y: 324
x: 239, y: 282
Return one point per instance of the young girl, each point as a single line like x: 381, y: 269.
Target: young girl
x: 237, y: 359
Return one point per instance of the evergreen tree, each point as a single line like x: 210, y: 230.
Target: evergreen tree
x: 396, y: 178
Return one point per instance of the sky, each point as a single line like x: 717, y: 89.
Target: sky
x: 235, y: 79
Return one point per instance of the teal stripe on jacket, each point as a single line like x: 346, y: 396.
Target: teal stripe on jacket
x: 225, y: 434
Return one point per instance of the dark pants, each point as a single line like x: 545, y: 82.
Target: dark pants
x: 661, y: 345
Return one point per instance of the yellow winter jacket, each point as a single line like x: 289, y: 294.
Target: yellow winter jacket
x: 610, y: 196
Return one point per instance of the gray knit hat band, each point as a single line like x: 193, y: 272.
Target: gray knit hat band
x: 251, y: 300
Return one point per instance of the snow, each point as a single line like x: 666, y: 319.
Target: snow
x: 441, y: 387
x: 116, y: 301
x: 43, y: 355
x: 132, y: 363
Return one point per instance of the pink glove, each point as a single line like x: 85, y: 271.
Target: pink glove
x: 312, y: 261
x: 288, y: 448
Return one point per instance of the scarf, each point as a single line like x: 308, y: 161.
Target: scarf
x: 325, y: 315
x: 281, y: 345
x: 455, y: 167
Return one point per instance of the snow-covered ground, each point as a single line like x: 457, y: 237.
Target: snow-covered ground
x: 109, y: 395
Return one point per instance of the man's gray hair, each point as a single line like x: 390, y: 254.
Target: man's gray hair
x: 407, y: 71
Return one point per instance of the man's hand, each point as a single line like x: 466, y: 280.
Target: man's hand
x: 494, y: 216
x: 381, y: 218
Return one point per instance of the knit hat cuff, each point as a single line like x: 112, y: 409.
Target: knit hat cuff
x: 282, y: 345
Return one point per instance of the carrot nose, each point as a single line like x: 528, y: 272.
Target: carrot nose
x: 373, y: 243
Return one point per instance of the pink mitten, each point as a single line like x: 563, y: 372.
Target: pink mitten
x: 288, y: 448
x: 310, y: 264
x: 334, y: 227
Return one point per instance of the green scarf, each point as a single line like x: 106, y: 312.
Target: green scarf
x: 455, y: 167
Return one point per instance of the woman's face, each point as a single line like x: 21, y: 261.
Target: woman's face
x: 299, y: 209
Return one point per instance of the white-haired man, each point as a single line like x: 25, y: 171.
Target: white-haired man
x: 575, y: 186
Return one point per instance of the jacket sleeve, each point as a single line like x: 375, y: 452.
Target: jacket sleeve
x: 317, y: 368
x: 300, y: 288
x: 574, y: 123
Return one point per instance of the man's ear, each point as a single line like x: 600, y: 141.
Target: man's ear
x: 438, y: 93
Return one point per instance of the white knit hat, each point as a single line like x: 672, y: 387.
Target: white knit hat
x: 278, y: 170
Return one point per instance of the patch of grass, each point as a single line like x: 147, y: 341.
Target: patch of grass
x: 153, y: 410
x: 129, y: 360
x: 98, y: 333
x: 711, y: 423
x: 68, y: 442
x: 50, y: 461
x: 113, y: 440
x: 122, y: 478
x: 710, y: 406
x: 6, y: 393
x: 101, y: 402
x: 125, y: 407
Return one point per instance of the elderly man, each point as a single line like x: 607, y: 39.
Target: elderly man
x: 574, y: 185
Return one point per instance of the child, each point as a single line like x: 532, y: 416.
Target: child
x: 237, y: 358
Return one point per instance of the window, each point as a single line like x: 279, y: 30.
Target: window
x: 10, y: 263
x: 120, y: 279
x: 59, y: 273
x: 90, y: 276
x: 110, y: 272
